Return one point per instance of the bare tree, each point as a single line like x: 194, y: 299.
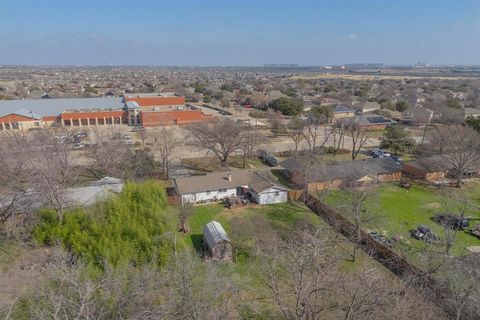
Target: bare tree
x: 296, y: 277
x: 455, y: 205
x: 316, y: 119
x: 358, y: 134
x: 461, y: 277
x: 184, y: 213
x: 167, y: 143
x: 295, y: 133
x: 458, y: 146
x: 105, y: 149
x: 222, y: 138
x: 358, y: 194
x: 338, y: 136
x: 50, y: 166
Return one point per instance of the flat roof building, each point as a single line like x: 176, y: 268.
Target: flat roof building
x: 147, y: 110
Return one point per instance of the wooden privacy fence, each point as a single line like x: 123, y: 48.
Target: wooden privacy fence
x: 436, y: 291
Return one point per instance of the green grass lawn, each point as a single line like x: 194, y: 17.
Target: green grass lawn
x: 248, y: 225
x: 396, y: 211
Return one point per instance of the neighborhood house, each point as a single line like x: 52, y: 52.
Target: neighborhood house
x: 339, y: 174
x: 435, y: 168
x: 216, y: 186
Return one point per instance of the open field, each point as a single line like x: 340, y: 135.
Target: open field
x: 368, y: 77
x: 395, y: 211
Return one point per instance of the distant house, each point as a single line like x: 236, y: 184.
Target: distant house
x: 433, y: 168
x: 374, y: 121
x: 216, y: 186
x: 217, y: 245
x: 339, y: 174
x: 472, y: 112
x: 341, y: 112
x: 366, y: 107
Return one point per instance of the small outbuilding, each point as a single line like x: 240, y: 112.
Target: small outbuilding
x: 266, y: 192
x: 217, y: 245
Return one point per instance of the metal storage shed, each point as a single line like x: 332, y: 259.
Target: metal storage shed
x: 218, y: 245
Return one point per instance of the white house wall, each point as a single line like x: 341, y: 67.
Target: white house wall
x: 203, y: 196
x: 268, y: 196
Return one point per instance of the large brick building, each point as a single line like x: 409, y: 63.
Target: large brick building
x: 153, y: 110
x: 148, y: 110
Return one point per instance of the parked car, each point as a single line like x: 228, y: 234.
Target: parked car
x: 424, y: 233
x: 452, y: 221
x: 270, y: 160
x: 398, y: 160
x: 80, y: 135
x: 379, y: 153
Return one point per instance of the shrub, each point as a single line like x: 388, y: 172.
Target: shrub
x: 127, y: 229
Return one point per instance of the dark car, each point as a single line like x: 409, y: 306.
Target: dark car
x: 451, y: 221
x: 270, y: 160
x: 424, y: 233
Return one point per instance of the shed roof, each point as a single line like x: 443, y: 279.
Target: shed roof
x: 213, y: 233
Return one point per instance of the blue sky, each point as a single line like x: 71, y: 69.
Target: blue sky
x: 243, y: 32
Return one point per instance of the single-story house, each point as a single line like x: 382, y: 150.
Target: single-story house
x: 341, y: 112
x: 338, y: 174
x: 433, y: 168
x: 374, y: 121
x: 216, y: 242
x: 215, y: 186
x: 365, y: 107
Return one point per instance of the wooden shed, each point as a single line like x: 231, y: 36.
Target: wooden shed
x: 216, y: 242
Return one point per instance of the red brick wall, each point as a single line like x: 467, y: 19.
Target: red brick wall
x: 155, y: 119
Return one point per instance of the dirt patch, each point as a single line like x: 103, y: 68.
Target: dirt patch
x: 474, y: 249
x: 433, y: 205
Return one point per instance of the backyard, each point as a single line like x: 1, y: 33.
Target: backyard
x: 394, y: 211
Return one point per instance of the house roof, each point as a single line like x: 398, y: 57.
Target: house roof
x: 341, y: 109
x: 213, y: 233
x: 213, y: 181
x: 259, y: 184
x: 367, y: 106
x: 219, y: 180
x: 28, y: 114
x: 472, y: 111
x: 374, y: 119
x: 344, y: 170
x: 440, y: 163
x: 52, y: 107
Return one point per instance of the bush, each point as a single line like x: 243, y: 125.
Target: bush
x: 287, y: 106
x: 127, y: 229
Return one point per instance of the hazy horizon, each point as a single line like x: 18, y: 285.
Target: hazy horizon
x: 217, y: 33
